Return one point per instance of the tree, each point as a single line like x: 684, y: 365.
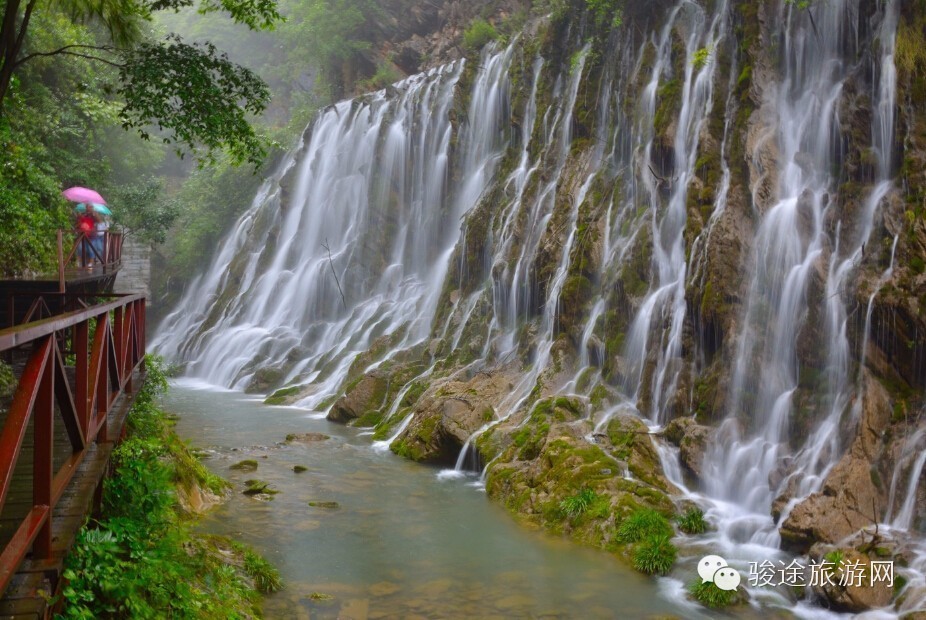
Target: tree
x: 196, y: 97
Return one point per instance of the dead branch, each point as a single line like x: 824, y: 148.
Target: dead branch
x: 334, y: 273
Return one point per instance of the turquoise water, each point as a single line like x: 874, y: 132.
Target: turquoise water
x: 402, y: 543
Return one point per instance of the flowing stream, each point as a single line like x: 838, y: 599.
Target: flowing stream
x: 402, y: 543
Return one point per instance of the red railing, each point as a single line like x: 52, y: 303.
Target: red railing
x: 107, y: 342
x: 84, y: 252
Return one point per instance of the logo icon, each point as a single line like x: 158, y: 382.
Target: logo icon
x: 714, y: 569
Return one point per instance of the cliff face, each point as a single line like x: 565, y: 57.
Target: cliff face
x: 706, y: 220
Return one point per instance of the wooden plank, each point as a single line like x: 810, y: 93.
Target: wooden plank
x: 16, y: 550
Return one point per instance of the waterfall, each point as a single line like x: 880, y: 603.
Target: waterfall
x: 403, y: 224
x: 792, y: 251
x: 365, y: 205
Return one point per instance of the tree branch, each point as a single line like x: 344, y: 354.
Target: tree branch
x: 331, y: 264
x: 66, y: 51
x: 24, y: 26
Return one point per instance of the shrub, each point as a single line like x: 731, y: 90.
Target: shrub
x: 479, y: 33
x: 692, y: 521
x: 578, y: 503
x: 708, y: 594
x: 142, y: 560
x: 642, y: 524
x: 655, y: 555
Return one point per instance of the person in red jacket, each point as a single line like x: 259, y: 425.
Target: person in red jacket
x: 86, y: 228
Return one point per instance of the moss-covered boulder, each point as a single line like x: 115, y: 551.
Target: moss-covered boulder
x: 566, y: 465
x: 364, y: 394
x: 629, y: 440
x: 307, y: 437
x: 245, y: 465
x: 448, y: 413
x: 284, y: 396
x: 264, y: 379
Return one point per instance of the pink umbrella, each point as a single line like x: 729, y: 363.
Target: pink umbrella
x: 82, y: 194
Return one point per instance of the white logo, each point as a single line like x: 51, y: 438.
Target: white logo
x: 713, y: 568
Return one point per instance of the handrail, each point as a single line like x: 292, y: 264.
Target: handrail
x: 110, y: 255
x: 103, y: 368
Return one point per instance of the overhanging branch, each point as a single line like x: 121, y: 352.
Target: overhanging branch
x: 66, y: 50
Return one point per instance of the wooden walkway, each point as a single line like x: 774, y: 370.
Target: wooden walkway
x: 27, y: 593
x: 77, y: 375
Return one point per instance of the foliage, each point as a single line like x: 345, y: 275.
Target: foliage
x: 701, y: 57
x: 641, y: 524
x: 144, y: 211
x: 692, y: 521
x: 197, y: 95
x: 605, y: 10
x: 655, y: 555
x: 212, y: 198
x: 266, y: 577
x: 580, y: 502
x: 385, y: 75
x: 910, y: 49
x: 478, y: 34
x: 141, y: 559
x: 707, y: 593
x: 329, y: 34
x: 8, y: 381
x: 192, y: 93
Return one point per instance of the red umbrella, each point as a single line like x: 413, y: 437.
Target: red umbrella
x: 82, y: 194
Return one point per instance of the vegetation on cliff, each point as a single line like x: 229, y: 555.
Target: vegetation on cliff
x: 141, y: 558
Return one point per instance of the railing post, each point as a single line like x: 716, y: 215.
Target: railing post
x: 81, y: 372
x: 102, y: 386
x: 60, y: 261
x: 43, y: 438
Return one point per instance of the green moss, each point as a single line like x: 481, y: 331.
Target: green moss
x: 255, y: 487
x: 369, y: 419
x: 669, y: 98
x: 280, y: 397
x: 245, y: 465
x: 598, y: 396
x: 324, y: 504
x: 917, y: 264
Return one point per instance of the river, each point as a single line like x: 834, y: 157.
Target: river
x: 402, y: 543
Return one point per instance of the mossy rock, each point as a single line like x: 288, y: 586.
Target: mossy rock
x: 324, y: 504
x: 369, y: 419
x: 258, y: 487
x: 368, y: 392
x: 245, y: 465
x: 307, y: 437
x: 284, y: 396
x: 264, y: 379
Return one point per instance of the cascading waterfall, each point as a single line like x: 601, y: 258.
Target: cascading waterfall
x: 790, y: 245
x: 365, y: 185
x: 350, y: 244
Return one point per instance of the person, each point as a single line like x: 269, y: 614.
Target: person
x: 86, y: 227
x: 100, y: 236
